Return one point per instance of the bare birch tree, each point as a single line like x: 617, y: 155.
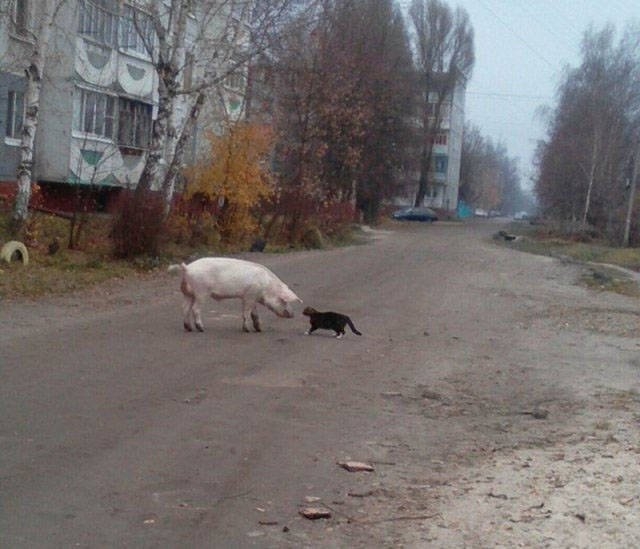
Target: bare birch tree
x: 39, y: 36
x: 196, y: 47
x: 220, y: 38
x: 445, y: 56
x: 593, y: 137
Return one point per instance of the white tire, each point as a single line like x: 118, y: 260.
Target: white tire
x: 13, y: 248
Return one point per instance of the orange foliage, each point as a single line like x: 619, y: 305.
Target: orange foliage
x: 237, y: 176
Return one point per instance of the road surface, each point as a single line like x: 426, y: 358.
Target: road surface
x: 496, y: 399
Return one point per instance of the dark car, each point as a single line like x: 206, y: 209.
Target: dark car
x: 415, y: 214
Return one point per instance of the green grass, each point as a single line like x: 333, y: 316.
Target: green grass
x: 545, y: 242
x: 66, y: 270
x: 92, y: 262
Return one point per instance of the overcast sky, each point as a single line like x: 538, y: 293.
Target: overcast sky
x: 521, y: 49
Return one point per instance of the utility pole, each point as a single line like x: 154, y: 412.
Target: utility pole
x: 632, y: 196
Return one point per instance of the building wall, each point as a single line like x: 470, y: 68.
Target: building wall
x: 455, y: 148
x: 9, y: 149
x: 54, y: 131
x: 443, y: 191
x: 14, y: 48
x: 64, y: 153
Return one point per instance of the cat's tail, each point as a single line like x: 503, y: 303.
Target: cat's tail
x: 353, y: 328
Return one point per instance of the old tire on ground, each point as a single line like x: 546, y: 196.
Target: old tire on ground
x: 14, y: 250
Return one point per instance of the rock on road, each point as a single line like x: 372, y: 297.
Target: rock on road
x: 496, y: 400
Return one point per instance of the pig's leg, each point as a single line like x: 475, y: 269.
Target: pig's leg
x: 187, y: 308
x: 195, y: 311
x: 255, y: 319
x: 249, y: 312
x: 246, y: 314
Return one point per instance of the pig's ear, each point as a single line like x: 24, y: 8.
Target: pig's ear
x: 288, y: 295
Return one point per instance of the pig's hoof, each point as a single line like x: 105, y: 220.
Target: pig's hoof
x: 199, y: 327
x: 245, y: 329
x: 188, y: 327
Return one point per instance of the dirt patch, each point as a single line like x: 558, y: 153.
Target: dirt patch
x: 606, y: 321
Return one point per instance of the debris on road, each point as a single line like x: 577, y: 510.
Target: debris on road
x: 504, y: 235
x: 537, y: 413
x: 312, y: 499
x: 356, y: 466
x: 360, y: 494
x: 314, y: 513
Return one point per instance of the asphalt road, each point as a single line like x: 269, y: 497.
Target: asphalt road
x: 119, y: 429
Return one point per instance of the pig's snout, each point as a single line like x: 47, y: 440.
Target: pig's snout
x: 286, y: 311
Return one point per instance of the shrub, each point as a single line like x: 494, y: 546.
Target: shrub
x: 138, y: 224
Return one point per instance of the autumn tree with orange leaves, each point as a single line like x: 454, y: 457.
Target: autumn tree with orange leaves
x: 237, y: 177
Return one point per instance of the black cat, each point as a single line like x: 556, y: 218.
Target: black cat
x: 328, y: 321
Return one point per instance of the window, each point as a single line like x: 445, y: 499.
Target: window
x: 432, y: 110
x: 439, y: 139
x: 235, y: 81
x: 98, y: 20
x: 20, y: 15
x: 136, y: 31
x: 134, y: 124
x: 441, y: 162
x: 97, y: 114
x: 15, y: 114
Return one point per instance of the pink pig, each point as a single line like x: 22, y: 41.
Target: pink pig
x: 225, y: 278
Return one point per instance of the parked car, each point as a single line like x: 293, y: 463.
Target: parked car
x: 415, y: 214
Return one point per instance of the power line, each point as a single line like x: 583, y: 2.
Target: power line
x: 508, y: 27
x: 533, y: 13
x: 511, y: 95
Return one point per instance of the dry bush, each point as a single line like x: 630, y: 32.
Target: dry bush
x: 138, y: 224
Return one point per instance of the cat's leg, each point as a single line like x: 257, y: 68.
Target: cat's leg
x: 313, y: 328
x: 339, y: 334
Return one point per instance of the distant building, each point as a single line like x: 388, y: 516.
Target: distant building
x: 444, y: 177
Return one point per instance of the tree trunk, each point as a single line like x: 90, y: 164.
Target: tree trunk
x: 156, y: 154
x: 592, y: 174
x: 632, y: 198
x: 430, y: 126
x: 34, y: 75
x: 423, y: 182
x: 169, y: 183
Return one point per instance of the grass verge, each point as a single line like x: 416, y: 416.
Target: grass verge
x: 599, y: 257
